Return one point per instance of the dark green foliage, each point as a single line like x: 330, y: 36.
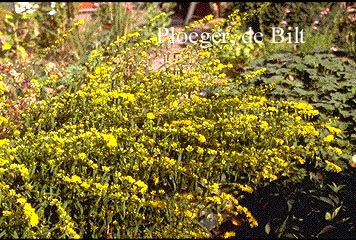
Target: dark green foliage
x: 328, y: 18
x: 321, y: 206
x: 326, y: 81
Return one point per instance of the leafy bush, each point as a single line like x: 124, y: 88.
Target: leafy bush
x: 323, y: 80
x: 33, y: 26
x: 236, y: 51
x: 325, y: 24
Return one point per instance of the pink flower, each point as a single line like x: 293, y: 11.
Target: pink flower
x: 333, y: 49
x: 316, y: 21
x: 315, y: 27
x: 284, y: 22
x: 127, y: 5
x: 287, y: 10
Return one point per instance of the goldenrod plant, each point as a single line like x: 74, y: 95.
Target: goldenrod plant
x: 125, y: 149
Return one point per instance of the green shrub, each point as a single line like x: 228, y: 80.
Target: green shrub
x: 324, y: 24
x: 323, y: 80
x: 32, y: 27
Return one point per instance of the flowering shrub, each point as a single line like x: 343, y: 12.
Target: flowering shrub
x: 32, y: 26
x: 326, y: 24
x: 127, y: 150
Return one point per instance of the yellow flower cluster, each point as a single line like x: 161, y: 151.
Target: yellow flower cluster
x: 67, y: 225
x: 332, y: 166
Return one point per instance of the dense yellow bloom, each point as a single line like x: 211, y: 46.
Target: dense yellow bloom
x: 245, y: 188
x: 201, y: 138
x: 214, y: 199
x: 189, y: 214
x: 200, y: 150
x: 4, y: 142
x: 82, y: 156
x: 214, y: 187
x: 264, y: 125
x: 28, y: 211
x: 333, y: 130
x: 299, y: 159
x: 21, y: 200
x: 31, y: 214
x: 332, y: 166
x: 142, y: 185
x: 110, y: 140
x: 76, y: 179
x: 336, y: 150
x: 229, y: 234
x: 308, y: 130
x: 3, y: 119
x: 328, y: 138
x: 150, y: 116
x: 6, y: 213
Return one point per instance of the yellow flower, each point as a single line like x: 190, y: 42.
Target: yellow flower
x: 31, y: 214
x: 21, y: 200
x: 79, y: 22
x: 328, y: 138
x: 110, y: 140
x: 175, y: 104
x: 229, y: 234
x: 333, y: 130
x: 82, y: 156
x: 214, y: 187
x: 214, y: 199
x: 85, y: 185
x: 2, y: 86
x: 332, y: 166
x: 264, y: 125
x: 189, y: 148
x: 150, y: 116
x: 75, y: 179
x: 189, y: 214
x: 6, y: 213
x: 245, y: 188
x: 201, y: 138
x: 142, y: 185
x: 200, y: 150
x: 336, y: 150
x: 105, y: 168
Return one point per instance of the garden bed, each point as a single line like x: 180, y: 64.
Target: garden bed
x: 106, y: 133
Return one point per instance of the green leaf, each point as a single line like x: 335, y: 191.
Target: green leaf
x: 325, y: 229
x: 9, y: 20
x: 22, y: 51
x: 268, y: 228
x: 336, y: 211
x: 282, y: 228
x: 345, y: 114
